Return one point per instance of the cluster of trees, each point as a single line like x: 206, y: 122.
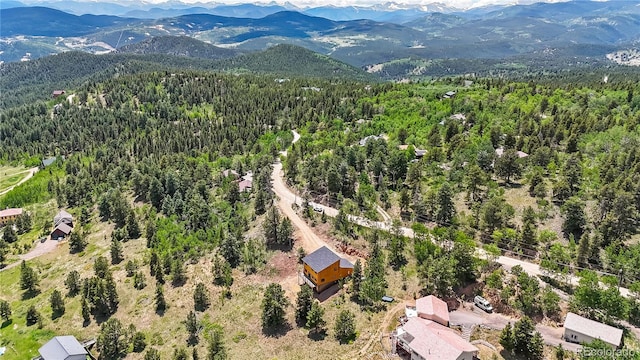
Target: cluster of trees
x: 308, y: 313
x: 522, y: 339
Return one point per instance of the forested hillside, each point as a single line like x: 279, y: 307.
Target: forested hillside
x: 172, y: 253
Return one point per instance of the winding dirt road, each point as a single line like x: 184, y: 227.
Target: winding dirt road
x: 30, y: 174
x: 312, y: 242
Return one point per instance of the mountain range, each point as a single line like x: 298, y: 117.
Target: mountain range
x: 575, y: 31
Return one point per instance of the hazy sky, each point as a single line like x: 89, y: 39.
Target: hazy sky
x: 461, y: 4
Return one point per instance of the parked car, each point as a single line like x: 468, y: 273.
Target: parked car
x: 483, y: 303
x: 318, y: 208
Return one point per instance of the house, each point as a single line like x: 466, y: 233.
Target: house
x: 230, y: 173
x: 61, y: 231
x: 57, y: 93
x: 48, y: 161
x: 365, y: 140
x: 449, y: 95
x: 458, y: 116
x: 63, y: 217
x: 578, y: 329
x: 9, y: 215
x: 500, y: 151
x: 420, y: 339
x: 434, y: 309
x: 245, y: 185
x: 323, y: 267
x: 418, y: 153
x: 63, y: 348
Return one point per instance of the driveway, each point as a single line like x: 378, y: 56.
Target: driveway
x: 470, y: 316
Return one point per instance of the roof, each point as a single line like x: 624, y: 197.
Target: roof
x: 345, y: 264
x: 228, y: 172
x: 58, y: 92
x: 48, y: 161
x: 593, y: 329
x: 521, y: 154
x: 62, y: 216
x: 458, y: 116
x: 432, y: 308
x: 66, y: 229
x: 434, y: 341
x: 245, y: 185
x: 10, y: 212
x: 61, y: 347
x: 321, y: 259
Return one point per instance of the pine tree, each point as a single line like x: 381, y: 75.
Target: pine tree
x: 356, y: 279
x: 180, y: 354
x: 4, y: 249
x: 5, y: 310
x: 446, y: 208
x: 536, y: 347
x: 57, y: 304
x: 179, y: 276
x: 194, y: 354
x: 161, y: 304
x: 274, y: 303
x: 116, y: 251
x: 315, y: 317
x: 506, y: 338
x: 139, y: 342
x: 139, y: 280
x: 584, y: 249
x: 77, y: 242
x: 345, y: 327
x: 86, y: 311
x: 152, y: 354
x: 112, y: 343
x: 133, y: 227
x: 215, y: 348
x: 303, y: 304
x: 33, y: 316
x: 200, y: 297
x: 193, y: 327
x: 73, y: 283
x: 528, y: 234
x: 28, y: 278
x: 101, y: 267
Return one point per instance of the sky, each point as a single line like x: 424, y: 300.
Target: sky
x: 460, y: 4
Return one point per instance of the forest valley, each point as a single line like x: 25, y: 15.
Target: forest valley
x: 170, y: 258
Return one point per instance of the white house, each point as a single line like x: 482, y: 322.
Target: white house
x: 578, y: 329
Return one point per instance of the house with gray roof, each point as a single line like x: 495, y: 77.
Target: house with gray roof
x: 63, y: 217
x: 578, y: 329
x: 323, y: 268
x: 63, y: 348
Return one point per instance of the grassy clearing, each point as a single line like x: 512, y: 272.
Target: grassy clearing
x: 10, y: 175
x: 239, y: 316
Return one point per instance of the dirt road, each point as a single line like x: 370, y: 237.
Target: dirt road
x: 30, y: 174
x: 40, y: 249
x: 288, y: 197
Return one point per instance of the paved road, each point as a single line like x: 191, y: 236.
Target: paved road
x: 470, y: 316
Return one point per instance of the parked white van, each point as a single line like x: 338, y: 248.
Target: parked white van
x: 483, y: 303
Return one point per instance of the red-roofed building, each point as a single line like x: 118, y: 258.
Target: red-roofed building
x: 57, y: 93
x: 434, y: 309
x: 420, y: 339
x: 9, y: 215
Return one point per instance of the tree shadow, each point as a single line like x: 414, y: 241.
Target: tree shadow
x: 317, y: 335
x: 56, y: 314
x: 160, y: 312
x: 6, y: 323
x: 193, y: 340
x: 30, y: 294
x: 276, y: 331
x: 86, y: 323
